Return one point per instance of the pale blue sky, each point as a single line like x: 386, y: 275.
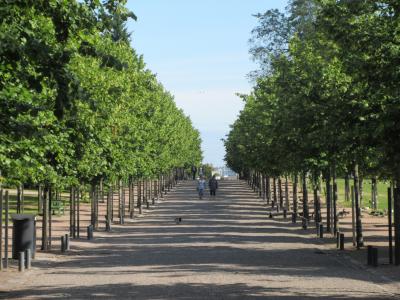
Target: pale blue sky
x: 199, y: 51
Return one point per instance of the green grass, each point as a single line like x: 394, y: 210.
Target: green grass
x: 366, y: 202
x: 30, y: 204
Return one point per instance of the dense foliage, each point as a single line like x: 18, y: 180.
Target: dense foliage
x: 77, y: 103
x: 326, y: 96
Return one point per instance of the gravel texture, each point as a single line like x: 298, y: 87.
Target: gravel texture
x: 224, y: 248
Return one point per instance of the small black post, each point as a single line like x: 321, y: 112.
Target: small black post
x: 321, y: 230
x: 28, y: 259
x: 63, y: 243
x: 21, y: 261
x: 90, y: 232
x: 341, y: 240
x: 284, y: 213
x: 293, y: 217
x: 369, y: 255
x: 374, y: 256
x: 304, y: 223
x: 66, y: 242
x: 337, y: 239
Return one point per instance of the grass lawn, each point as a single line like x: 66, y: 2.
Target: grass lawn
x: 366, y: 202
x: 30, y: 203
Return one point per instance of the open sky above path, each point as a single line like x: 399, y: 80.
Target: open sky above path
x: 199, y: 51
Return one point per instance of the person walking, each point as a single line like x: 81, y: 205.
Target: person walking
x: 213, y: 185
x: 201, y: 186
x: 194, y: 171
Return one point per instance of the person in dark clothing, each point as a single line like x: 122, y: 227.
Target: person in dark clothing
x: 213, y: 185
x: 194, y: 171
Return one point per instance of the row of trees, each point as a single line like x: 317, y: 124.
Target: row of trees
x: 326, y: 99
x: 77, y: 103
x: 79, y: 108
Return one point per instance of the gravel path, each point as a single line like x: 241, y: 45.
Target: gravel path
x: 225, y: 248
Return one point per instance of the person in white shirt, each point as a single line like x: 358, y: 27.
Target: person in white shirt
x: 201, y: 186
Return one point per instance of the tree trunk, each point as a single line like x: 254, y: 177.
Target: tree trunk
x: 287, y: 204
x: 374, y: 194
x: 359, y: 235
x: 296, y: 181
x: 328, y: 201
x: 335, y: 198
x: 346, y: 188
x: 45, y: 213
x: 275, y: 196
x: 92, y: 204
x: 396, y: 205
x: 71, y: 212
x: 361, y: 190
x: 353, y: 217
x: 305, y: 197
x: 390, y: 221
x: 280, y: 192
x: 50, y: 215
x: 18, y: 199
x: 78, y: 213
x: 109, y: 210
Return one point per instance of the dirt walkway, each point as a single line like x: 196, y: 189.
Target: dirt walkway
x: 225, y: 248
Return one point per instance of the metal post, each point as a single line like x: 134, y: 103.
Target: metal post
x: 374, y: 256
x: 341, y: 241
x: 321, y: 231
x: 369, y: 255
x: 337, y: 239
x: 21, y: 261
x: 63, y: 243
x: 28, y: 259
x: 67, y: 242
